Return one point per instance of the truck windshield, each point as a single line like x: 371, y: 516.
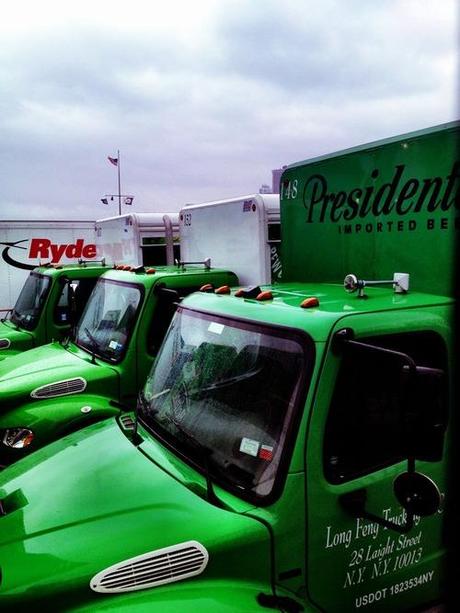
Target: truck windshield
x: 29, y: 304
x: 223, y: 395
x: 108, y: 319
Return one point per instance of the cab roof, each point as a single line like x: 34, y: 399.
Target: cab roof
x: 149, y: 276
x: 59, y: 269
x: 334, y: 304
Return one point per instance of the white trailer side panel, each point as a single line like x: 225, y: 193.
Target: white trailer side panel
x: 26, y: 244
x: 126, y: 239
x: 233, y: 233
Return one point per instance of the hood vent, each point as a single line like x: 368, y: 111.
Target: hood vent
x: 4, y: 343
x: 127, y: 422
x: 152, y: 569
x: 60, y: 388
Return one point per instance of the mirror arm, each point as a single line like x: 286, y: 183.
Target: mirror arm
x: 354, y: 502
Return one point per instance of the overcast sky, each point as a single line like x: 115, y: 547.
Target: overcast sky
x: 204, y: 98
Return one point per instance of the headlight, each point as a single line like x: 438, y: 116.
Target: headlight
x: 18, y: 438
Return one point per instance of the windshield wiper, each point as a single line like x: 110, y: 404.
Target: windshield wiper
x: 15, y: 318
x: 205, y: 453
x: 94, y: 345
x: 225, y: 382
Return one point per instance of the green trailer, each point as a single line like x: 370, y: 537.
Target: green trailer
x: 289, y: 449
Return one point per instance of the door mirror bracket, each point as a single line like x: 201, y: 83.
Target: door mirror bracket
x: 418, y: 495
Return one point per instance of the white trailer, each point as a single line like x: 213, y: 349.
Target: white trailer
x: 26, y: 244
x: 138, y: 238
x: 241, y: 234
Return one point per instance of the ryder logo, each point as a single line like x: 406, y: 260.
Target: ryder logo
x: 44, y: 250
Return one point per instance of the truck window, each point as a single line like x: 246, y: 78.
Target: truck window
x: 109, y: 319
x: 154, y: 251
x: 224, y: 395
x: 363, y: 429
x: 29, y: 304
x: 72, y: 300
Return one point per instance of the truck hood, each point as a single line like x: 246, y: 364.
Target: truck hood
x: 23, y: 373
x: 92, y: 500
x: 13, y: 340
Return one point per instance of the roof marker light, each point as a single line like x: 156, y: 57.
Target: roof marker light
x: 150, y: 271
x: 224, y: 289
x: 267, y: 295
x: 207, y: 287
x: 309, y: 303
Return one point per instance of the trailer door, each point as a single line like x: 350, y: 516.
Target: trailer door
x: 355, y: 445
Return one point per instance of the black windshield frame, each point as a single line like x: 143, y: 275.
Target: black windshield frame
x: 32, y: 323
x: 295, y: 410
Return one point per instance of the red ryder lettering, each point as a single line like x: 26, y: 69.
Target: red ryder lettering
x: 43, y: 248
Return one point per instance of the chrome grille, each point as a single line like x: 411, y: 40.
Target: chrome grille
x: 152, y: 569
x: 60, y: 388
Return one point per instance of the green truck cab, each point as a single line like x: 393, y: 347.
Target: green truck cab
x: 48, y: 306
x: 54, y: 389
x: 289, y: 448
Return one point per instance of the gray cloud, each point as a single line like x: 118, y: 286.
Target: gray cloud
x: 270, y: 83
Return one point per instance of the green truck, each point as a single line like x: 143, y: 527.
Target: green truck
x: 289, y: 448
x: 48, y: 306
x: 53, y: 389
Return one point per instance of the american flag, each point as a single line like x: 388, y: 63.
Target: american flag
x: 113, y: 161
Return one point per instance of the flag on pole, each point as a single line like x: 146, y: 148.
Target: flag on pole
x: 104, y: 201
x: 113, y: 161
x: 128, y: 200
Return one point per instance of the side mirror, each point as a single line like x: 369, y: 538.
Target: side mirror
x: 417, y: 494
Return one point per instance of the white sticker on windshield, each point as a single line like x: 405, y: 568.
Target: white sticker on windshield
x: 113, y: 345
x: 249, y: 446
x: 216, y: 328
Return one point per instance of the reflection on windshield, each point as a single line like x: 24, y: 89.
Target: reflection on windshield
x: 29, y: 305
x: 227, y: 391
x: 108, y: 319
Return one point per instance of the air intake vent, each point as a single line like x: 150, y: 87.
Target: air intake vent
x: 60, y: 388
x: 152, y: 569
x: 127, y: 422
x: 4, y: 343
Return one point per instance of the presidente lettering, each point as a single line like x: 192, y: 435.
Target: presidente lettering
x: 400, y: 195
x: 44, y: 249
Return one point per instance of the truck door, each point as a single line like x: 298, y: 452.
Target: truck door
x: 163, y: 305
x: 356, y: 446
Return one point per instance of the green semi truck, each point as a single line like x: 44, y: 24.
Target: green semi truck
x: 289, y: 448
x: 48, y: 306
x: 56, y: 388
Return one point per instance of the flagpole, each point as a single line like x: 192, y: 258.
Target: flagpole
x: 119, y: 182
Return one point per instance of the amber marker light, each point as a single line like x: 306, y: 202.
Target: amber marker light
x: 267, y: 295
x: 309, y: 303
x: 224, y: 289
x: 207, y: 287
x: 150, y: 271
